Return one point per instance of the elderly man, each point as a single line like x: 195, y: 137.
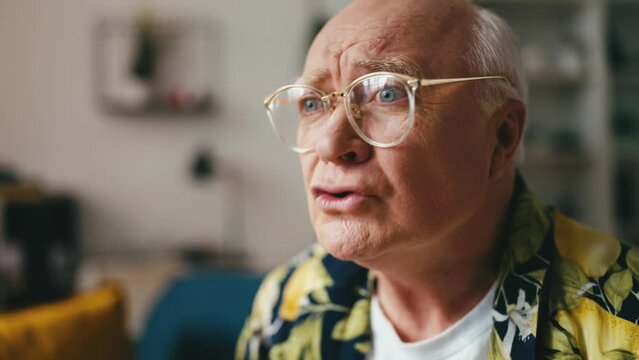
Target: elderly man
x: 407, y: 120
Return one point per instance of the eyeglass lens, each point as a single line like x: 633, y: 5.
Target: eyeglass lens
x: 378, y: 108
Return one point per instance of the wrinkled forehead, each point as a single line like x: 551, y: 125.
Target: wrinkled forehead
x: 420, y: 38
x: 367, y: 65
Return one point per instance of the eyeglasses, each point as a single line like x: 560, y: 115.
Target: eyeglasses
x: 380, y: 106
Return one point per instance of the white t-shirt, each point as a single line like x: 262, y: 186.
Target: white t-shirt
x: 467, y: 339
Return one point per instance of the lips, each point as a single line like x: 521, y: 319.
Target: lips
x: 339, y: 199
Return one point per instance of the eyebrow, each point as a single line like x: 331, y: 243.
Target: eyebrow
x: 312, y: 78
x: 396, y: 65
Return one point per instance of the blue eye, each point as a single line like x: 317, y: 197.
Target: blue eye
x: 310, y: 105
x: 388, y: 95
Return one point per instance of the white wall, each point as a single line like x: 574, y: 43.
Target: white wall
x: 131, y: 175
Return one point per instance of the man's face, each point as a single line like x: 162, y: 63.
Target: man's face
x: 364, y: 201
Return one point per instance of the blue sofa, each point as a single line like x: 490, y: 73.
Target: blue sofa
x: 199, y: 316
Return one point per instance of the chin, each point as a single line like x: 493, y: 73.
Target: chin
x: 348, y: 239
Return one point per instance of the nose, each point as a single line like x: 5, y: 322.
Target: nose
x: 338, y: 142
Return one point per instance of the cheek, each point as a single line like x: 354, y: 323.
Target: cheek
x: 456, y: 128
x: 463, y: 161
x: 432, y: 181
x: 460, y: 138
x: 307, y: 163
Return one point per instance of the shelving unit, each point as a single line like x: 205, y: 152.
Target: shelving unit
x: 623, y: 56
x: 568, y: 142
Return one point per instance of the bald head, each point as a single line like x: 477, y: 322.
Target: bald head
x: 437, y: 31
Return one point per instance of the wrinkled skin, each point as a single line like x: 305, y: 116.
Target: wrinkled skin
x: 435, y: 183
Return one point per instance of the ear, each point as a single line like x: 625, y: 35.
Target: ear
x: 509, y: 122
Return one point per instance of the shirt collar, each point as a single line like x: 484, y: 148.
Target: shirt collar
x: 525, y: 261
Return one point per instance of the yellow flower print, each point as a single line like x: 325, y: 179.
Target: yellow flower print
x: 593, y: 251
x: 496, y: 347
x: 529, y: 225
x: 356, y: 324
x: 311, y: 275
x: 259, y: 322
x: 598, y: 332
x: 304, y: 342
x: 266, y: 297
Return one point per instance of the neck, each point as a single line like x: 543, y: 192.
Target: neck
x: 426, y: 290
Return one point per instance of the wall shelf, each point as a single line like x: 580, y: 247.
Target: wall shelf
x: 150, y: 67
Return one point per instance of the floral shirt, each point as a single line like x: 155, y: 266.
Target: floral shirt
x: 564, y: 292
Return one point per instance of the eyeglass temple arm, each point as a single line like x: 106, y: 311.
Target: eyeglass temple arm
x: 428, y: 82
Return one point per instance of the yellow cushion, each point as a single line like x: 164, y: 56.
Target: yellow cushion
x: 87, y: 326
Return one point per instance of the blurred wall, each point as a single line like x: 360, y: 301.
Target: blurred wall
x: 131, y: 176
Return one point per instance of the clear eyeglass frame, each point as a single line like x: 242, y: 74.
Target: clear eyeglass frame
x: 329, y: 101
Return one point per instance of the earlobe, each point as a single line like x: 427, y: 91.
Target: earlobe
x: 509, y: 124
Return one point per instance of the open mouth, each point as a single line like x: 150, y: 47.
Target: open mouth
x: 341, y: 195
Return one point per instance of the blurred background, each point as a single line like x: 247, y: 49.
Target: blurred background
x: 134, y: 145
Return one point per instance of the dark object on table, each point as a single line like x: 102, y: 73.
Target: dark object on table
x: 44, y: 232
x: 203, y: 165
x: 7, y: 176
